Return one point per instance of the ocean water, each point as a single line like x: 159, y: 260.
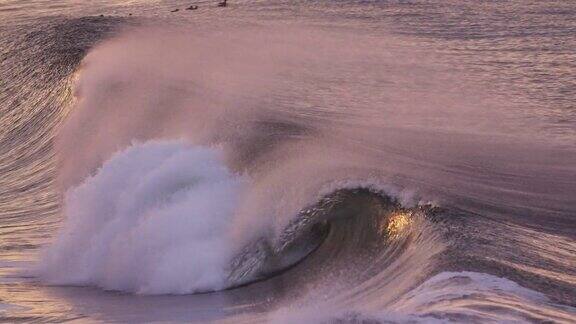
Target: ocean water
x: 288, y: 161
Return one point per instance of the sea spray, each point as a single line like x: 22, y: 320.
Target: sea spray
x: 154, y: 219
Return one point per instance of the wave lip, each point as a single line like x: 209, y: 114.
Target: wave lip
x: 154, y: 219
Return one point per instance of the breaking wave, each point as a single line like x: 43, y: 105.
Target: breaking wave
x: 239, y: 158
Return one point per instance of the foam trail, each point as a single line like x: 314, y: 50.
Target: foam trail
x: 154, y: 219
x: 447, y: 297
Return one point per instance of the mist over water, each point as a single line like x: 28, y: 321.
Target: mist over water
x: 286, y: 163
x: 289, y: 102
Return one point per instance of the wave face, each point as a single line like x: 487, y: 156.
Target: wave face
x: 331, y: 162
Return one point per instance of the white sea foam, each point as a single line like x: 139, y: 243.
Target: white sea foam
x: 155, y: 218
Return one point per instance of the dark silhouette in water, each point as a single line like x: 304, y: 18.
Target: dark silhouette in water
x: 175, y: 10
x: 192, y: 7
x: 222, y: 4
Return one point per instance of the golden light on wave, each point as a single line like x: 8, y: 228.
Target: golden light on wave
x: 397, y: 224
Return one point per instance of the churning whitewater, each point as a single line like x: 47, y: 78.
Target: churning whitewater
x: 155, y: 219
x: 309, y: 162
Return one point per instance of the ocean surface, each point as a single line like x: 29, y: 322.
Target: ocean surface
x: 288, y: 161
